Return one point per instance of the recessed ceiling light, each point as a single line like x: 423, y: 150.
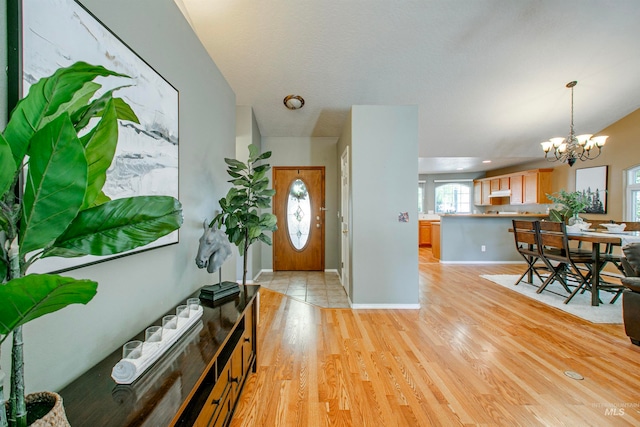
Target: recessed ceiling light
x: 293, y: 102
x: 459, y: 169
x: 486, y: 161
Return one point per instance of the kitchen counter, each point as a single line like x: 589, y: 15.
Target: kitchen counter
x: 480, y: 238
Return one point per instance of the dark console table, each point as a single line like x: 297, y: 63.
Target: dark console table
x: 196, y: 382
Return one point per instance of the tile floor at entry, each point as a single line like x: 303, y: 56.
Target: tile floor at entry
x: 315, y: 287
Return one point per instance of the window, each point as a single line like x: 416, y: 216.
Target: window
x: 633, y: 194
x: 453, y: 197
x: 421, y: 196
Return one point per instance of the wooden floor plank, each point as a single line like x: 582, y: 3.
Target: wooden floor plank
x: 473, y: 354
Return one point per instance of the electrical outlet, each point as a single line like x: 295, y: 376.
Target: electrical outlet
x: 483, y: 248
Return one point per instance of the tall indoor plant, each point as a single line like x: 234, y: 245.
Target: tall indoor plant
x: 240, y: 209
x: 67, y: 136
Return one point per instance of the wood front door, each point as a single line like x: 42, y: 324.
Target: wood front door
x: 298, y: 244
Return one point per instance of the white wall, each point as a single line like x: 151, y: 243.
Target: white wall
x: 310, y: 152
x: 136, y: 290
x: 384, y: 173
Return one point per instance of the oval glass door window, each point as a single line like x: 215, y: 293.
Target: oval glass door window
x: 298, y: 214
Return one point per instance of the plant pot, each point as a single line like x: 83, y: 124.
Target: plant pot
x: 46, y: 407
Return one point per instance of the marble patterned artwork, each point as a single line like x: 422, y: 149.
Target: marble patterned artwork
x: 57, y: 33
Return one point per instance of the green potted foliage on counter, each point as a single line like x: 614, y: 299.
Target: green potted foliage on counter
x: 63, y: 136
x: 571, y: 204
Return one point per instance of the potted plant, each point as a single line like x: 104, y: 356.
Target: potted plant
x: 571, y: 204
x: 67, y: 138
x: 243, y: 222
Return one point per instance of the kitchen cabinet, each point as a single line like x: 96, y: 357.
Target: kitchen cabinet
x: 486, y: 190
x: 527, y: 187
x: 424, y: 233
x: 517, y: 191
x: 499, y: 184
x: 435, y: 239
x: 536, y: 186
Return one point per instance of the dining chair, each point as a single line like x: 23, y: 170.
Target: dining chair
x: 525, y: 234
x: 563, y: 263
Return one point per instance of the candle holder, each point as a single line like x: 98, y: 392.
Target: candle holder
x: 137, y: 357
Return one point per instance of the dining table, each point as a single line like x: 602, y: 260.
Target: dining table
x: 598, y: 238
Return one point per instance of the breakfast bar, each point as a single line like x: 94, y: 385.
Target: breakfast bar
x: 480, y: 238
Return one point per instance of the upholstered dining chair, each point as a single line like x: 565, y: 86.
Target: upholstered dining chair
x: 526, y: 238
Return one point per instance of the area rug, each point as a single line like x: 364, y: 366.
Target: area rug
x: 554, y: 295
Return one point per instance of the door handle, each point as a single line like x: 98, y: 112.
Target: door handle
x: 345, y: 231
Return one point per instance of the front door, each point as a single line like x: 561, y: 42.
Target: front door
x: 298, y: 244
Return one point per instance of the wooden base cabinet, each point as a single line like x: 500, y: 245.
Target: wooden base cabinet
x: 435, y: 239
x: 196, y: 383
x: 424, y: 234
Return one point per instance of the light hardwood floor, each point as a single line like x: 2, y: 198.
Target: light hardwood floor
x: 473, y: 354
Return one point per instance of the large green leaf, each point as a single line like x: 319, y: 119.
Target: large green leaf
x: 100, y: 147
x: 254, y: 152
x: 32, y: 296
x: 119, y: 225
x: 97, y: 108
x: 124, y: 111
x: 55, y: 186
x: 79, y: 103
x: 235, y: 164
x: 7, y: 166
x: 44, y: 100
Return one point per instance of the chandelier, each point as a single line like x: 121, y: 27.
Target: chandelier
x: 572, y: 148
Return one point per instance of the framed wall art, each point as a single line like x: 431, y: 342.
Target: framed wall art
x: 45, y: 35
x: 592, y: 182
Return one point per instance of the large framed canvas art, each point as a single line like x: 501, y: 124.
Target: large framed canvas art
x: 592, y: 182
x: 48, y: 34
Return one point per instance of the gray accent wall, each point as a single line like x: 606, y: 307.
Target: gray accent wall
x: 384, y: 172
x: 136, y: 290
x: 462, y: 238
x: 247, y: 133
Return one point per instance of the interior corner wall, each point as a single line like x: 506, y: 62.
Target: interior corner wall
x: 247, y: 133
x: 343, y: 143
x: 136, y: 290
x: 384, y: 172
x: 310, y: 151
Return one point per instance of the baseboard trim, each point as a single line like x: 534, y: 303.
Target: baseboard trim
x: 385, y: 306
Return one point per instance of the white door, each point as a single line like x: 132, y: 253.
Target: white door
x: 344, y: 218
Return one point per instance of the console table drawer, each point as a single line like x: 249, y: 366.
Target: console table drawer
x: 215, y: 404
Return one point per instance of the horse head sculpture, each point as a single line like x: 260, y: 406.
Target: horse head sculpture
x: 214, y: 248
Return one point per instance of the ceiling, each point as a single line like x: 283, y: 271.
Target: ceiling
x: 488, y: 76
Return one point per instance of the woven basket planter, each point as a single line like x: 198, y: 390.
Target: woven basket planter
x: 56, y: 417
